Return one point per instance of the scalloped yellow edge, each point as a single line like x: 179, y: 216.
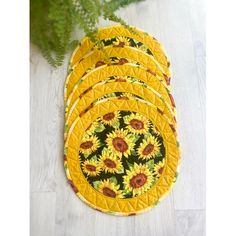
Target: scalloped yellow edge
x: 134, y: 88
x: 117, y: 30
x: 115, y: 206
x: 98, y: 75
x: 129, y: 53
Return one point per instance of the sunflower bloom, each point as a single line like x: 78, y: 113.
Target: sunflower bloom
x: 110, y: 118
x: 91, y: 168
x: 121, y: 41
x: 159, y: 167
x: 89, y: 144
x: 120, y: 142
x: 137, y: 123
x: 110, y: 189
x: 149, y: 148
x: 109, y: 162
x: 138, y: 180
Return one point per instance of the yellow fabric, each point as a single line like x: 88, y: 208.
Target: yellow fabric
x: 101, y: 202
x: 80, y: 68
x: 120, y: 94
x: 101, y: 74
x: 86, y: 45
x: 82, y: 103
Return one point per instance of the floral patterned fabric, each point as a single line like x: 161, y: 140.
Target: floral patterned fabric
x: 120, y: 95
x: 122, y: 154
x: 122, y: 41
x: 111, y: 61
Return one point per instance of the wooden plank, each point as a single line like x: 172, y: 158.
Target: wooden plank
x: 42, y: 214
x: 47, y: 117
x: 72, y: 215
x: 189, y: 191
x: 183, y: 35
x: 112, y: 225
x: 190, y: 222
x: 158, y: 221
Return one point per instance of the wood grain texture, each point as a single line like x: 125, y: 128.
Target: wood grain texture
x: 55, y: 210
x: 42, y: 211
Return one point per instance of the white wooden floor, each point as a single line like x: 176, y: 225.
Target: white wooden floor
x: 55, y: 210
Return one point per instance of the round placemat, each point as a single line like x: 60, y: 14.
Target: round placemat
x: 132, y: 132
x: 87, y: 81
x: 139, y: 89
x: 116, y: 56
x: 86, y: 45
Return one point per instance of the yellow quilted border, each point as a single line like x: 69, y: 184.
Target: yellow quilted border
x: 129, y: 53
x: 130, y: 205
x: 97, y: 92
x: 123, y: 70
x: 105, y: 99
x: 112, y: 31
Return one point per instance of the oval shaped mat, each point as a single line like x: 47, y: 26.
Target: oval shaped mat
x: 115, y: 70
x: 112, y: 31
x: 141, y: 187
x: 134, y: 88
x: 123, y: 55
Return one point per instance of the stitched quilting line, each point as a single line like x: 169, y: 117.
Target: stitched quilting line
x: 97, y: 56
x: 81, y: 72
x: 80, y: 81
x: 154, y: 46
x: 115, y: 107
x: 85, y: 101
x: 124, y: 70
x: 127, y: 53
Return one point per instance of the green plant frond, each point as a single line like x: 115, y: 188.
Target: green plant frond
x: 86, y: 20
x: 93, y: 8
x: 114, y: 5
x: 53, y: 21
x: 51, y: 27
x: 113, y: 17
x: 60, y: 14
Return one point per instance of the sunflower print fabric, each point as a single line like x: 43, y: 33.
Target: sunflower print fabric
x: 136, y: 35
x: 120, y: 154
x: 121, y: 151
x: 111, y: 61
x: 121, y: 95
x: 122, y: 41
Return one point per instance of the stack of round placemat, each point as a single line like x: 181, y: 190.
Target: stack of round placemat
x: 121, y: 149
